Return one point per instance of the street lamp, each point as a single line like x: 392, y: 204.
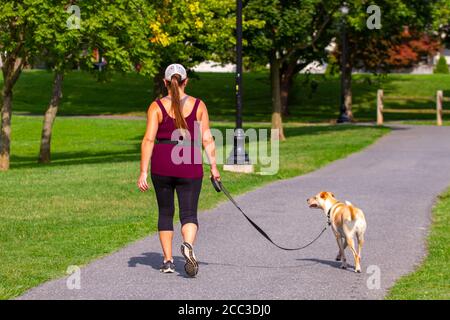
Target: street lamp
x: 343, y: 115
x: 238, y: 159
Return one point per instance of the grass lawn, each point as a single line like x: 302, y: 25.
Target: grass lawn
x: 86, y: 205
x: 425, y: 123
x: 132, y: 93
x: 432, y: 279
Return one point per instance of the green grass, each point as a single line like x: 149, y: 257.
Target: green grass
x: 86, y: 205
x: 425, y: 123
x: 432, y: 279
x: 132, y: 93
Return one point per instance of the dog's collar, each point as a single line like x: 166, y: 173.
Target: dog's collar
x: 329, y: 212
x: 328, y: 217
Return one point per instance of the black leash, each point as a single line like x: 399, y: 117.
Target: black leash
x: 218, y: 186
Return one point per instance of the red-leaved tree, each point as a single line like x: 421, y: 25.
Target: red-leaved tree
x: 410, y: 49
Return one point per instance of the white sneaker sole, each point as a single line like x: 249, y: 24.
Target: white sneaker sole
x: 191, y: 266
x: 167, y: 270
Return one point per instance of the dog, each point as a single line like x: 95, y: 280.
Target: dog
x: 346, y: 221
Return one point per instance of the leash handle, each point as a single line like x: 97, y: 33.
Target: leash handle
x: 218, y: 186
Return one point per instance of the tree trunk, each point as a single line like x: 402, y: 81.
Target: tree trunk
x: 347, y: 88
x: 285, y: 89
x: 159, y: 89
x: 11, y: 69
x: 346, y: 80
x: 5, y: 140
x: 277, y: 120
x: 287, y: 78
x: 49, y: 118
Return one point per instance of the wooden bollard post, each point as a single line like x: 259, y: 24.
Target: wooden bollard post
x: 380, y: 95
x: 439, y: 100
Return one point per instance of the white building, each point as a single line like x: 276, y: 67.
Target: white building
x: 211, y: 66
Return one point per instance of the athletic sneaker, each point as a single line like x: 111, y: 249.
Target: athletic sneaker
x: 191, y: 266
x: 167, y: 267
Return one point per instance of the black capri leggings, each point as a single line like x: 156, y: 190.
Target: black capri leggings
x: 188, y: 192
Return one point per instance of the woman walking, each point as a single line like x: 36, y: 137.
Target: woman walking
x: 174, y: 151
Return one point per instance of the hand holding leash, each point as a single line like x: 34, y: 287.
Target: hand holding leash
x: 215, y: 173
x: 216, y: 184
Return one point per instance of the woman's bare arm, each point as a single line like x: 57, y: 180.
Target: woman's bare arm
x: 208, y: 140
x: 147, y: 145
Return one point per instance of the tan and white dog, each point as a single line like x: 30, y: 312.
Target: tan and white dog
x: 346, y: 220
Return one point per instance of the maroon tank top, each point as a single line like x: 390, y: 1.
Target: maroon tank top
x: 176, y: 160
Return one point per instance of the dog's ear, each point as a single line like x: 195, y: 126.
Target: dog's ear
x: 323, y: 195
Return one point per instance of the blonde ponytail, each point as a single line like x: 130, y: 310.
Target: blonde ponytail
x: 175, y: 83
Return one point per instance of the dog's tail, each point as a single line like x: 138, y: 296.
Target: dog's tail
x: 348, y: 203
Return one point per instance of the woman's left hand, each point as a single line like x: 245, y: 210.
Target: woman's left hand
x: 142, y: 182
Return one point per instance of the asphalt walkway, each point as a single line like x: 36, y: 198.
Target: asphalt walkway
x: 395, y: 181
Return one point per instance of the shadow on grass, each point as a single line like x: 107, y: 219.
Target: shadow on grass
x: 314, y: 98
x: 317, y: 130
x: 76, y: 158
x: 133, y: 153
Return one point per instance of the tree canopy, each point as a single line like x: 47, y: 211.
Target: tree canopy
x: 190, y: 32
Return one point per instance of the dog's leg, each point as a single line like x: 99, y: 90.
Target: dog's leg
x: 341, y: 252
x: 338, y: 257
x: 355, y: 254
x: 360, y: 238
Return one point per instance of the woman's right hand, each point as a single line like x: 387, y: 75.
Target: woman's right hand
x: 215, y: 173
x: 142, y: 182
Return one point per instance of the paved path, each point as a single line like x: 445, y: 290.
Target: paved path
x: 395, y: 181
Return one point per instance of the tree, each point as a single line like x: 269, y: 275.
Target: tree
x: 119, y: 29
x: 441, y: 19
x: 371, y: 49
x: 292, y: 35
x: 442, y: 66
x: 190, y: 32
x: 17, y: 24
x: 59, y: 47
x: 410, y: 49
x: 399, y: 51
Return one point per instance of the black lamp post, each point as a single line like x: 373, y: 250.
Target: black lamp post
x: 343, y: 115
x: 238, y: 154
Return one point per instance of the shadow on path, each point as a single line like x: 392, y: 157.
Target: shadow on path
x: 154, y: 260
x: 331, y: 263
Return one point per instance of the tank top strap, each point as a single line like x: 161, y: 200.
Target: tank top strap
x: 161, y: 106
x: 194, y: 110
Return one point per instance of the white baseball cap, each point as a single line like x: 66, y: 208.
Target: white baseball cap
x: 175, y: 68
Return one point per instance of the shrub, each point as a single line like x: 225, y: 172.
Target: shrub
x: 333, y: 67
x: 441, y: 66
